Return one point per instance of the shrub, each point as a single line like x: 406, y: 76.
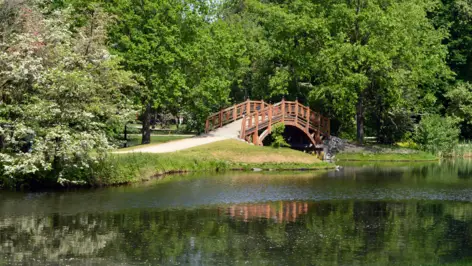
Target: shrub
x: 438, y: 135
x: 277, y: 136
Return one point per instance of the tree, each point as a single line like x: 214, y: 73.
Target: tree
x: 382, y: 53
x: 456, y: 17
x: 61, y: 97
x: 181, y: 59
x: 347, y: 57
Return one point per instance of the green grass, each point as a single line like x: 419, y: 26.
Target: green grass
x: 392, y: 157
x: 218, y: 156
x: 240, y: 152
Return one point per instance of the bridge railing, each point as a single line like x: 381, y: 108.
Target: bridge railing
x: 288, y: 112
x: 232, y: 113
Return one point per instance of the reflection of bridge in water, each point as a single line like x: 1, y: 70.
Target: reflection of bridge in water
x: 277, y: 211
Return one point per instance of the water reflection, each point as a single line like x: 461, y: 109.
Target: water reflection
x: 372, y: 215
x: 282, y: 233
x: 278, y: 212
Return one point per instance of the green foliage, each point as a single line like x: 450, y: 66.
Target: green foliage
x: 350, y: 58
x: 394, y: 126
x: 370, y: 64
x: 61, y: 96
x: 278, y: 140
x: 456, y: 17
x: 184, y: 63
x: 438, y: 135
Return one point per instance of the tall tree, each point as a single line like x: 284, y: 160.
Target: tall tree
x: 380, y: 52
x: 181, y: 54
x: 350, y: 55
x: 456, y: 16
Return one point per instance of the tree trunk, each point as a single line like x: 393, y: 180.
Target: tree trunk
x: 146, y: 132
x: 126, y: 135
x: 360, y: 119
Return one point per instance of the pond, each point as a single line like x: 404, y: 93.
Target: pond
x: 363, y: 214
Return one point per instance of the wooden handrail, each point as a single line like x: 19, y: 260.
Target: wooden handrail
x: 232, y: 113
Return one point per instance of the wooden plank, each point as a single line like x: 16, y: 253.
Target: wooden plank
x: 307, y: 119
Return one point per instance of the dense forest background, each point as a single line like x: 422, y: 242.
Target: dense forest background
x: 74, y: 72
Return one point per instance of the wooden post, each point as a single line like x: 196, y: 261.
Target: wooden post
x: 296, y: 111
x: 243, y: 128
x: 283, y: 110
x: 255, y: 138
x: 269, y: 127
x: 234, y: 112
x: 207, y: 126
x: 307, y: 119
x: 221, y: 118
x: 248, y: 107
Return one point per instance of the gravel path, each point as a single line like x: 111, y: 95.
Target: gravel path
x: 230, y: 131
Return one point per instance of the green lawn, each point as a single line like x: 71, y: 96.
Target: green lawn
x: 217, y: 156
x: 416, y: 156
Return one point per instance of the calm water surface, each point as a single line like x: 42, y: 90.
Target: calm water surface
x: 404, y: 214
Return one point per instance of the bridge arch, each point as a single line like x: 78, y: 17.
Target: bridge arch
x: 267, y: 132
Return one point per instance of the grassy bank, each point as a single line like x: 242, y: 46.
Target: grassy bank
x: 218, y: 156
x: 416, y: 156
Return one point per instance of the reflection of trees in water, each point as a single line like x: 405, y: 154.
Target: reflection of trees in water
x: 299, y: 233
x: 278, y: 212
x: 447, y: 171
x: 53, y: 238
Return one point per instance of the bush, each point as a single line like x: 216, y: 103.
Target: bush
x: 277, y: 136
x: 438, y: 135
x: 395, y: 126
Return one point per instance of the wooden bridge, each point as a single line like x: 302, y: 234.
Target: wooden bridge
x: 258, y: 117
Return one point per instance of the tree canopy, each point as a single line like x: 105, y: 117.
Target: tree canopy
x: 74, y: 72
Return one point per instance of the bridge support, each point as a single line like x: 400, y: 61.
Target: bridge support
x: 255, y: 139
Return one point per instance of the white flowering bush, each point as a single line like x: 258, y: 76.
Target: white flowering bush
x: 61, y: 96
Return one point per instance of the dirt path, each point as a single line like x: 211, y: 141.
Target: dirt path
x: 175, y: 145
x: 230, y: 131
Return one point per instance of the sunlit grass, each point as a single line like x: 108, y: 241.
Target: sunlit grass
x: 416, y: 156
x: 217, y: 156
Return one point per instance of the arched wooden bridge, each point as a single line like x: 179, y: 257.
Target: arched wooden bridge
x: 258, y: 117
